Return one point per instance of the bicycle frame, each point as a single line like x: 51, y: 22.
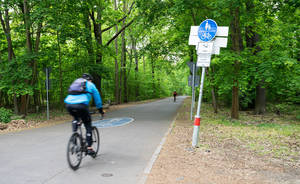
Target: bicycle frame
x: 83, y: 143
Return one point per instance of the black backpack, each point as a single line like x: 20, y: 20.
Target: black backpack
x: 78, y: 87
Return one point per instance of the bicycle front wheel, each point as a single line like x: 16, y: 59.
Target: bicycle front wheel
x: 74, y: 151
x: 96, y: 141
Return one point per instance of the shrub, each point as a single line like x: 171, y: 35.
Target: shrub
x: 282, y: 108
x: 298, y: 116
x: 5, y: 115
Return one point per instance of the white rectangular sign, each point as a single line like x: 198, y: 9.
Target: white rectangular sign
x: 203, y: 60
x: 205, y: 55
x: 204, y: 47
x: 216, y: 50
x: 221, y: 31
x: 220, y: 42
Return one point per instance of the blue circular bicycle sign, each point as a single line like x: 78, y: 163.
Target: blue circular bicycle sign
x: 207, y: 30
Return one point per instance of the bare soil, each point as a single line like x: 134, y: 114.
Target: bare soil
x: 216, y: 161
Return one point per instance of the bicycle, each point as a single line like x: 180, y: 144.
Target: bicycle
x: 77, y: 146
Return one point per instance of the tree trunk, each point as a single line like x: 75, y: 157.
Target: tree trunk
x: 36, y: 95
x: 237, y: 46
x: 88, y: 38
x: 98, y: 36
x: 260, y: 101
x: 214, y: 100
x: 99, y: 43
x: 27, y: 22
x: 124, y: 57
x: 27, y: 26
x: 144, y: 64
x: 16, y: 108
x: 130, y: 54
x: 124, y: 68
x: 213, y: 96
x: 6, y: 29
x: 137, y: 84
x: 153, y: 77
x: 235, y: 102
x: 117, y: 84
x: 23, y: 104
x: 252, y: 38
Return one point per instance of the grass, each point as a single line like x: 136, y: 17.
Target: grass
x: 270, y: 134
x: 53, y: 115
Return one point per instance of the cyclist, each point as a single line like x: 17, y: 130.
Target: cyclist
x: 78, y: 106
x: 174, y: 94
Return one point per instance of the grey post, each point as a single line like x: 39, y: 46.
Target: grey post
x: 47, y: 89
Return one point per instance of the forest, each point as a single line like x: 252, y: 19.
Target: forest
x: 138, y: 50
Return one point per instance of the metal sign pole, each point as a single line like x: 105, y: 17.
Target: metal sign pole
x: 47, y: 89
x: 197, y: 117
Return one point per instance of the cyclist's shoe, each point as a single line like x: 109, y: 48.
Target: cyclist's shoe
x: 74, y: 125
x: 91, y: 152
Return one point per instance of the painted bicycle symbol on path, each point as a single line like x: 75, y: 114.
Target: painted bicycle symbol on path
x: 112, y: 122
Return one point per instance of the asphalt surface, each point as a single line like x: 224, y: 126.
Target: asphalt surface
x: 38, y: 156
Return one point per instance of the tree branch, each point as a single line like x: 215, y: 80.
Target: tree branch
x: 38, y: 36
x: 123, y: 18
x: 2, y: 22
x: 117, y: 34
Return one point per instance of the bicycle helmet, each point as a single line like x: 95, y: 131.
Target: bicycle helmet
x: 87, y: 76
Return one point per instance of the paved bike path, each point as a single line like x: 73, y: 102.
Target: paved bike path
x: 38, y: 156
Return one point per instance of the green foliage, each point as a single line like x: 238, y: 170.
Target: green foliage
x: 5, y: 115
x: 298, y: 116
x: 70, y: 45
x: 14, y: 75
x: 283, y: 108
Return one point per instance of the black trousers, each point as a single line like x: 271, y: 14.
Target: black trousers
x: 81, y: 111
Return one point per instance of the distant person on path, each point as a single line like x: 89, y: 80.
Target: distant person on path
x: 174, y: 94
x: 77, y: 104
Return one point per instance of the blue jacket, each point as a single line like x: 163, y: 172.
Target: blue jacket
x: 85, y: 98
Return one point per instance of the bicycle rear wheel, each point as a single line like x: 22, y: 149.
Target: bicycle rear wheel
x: 74, y: 151
x: 96, y: 141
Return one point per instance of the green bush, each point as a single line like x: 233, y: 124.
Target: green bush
x: 5, y: 115
x: 282, y: 108
x: 298, y: 116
